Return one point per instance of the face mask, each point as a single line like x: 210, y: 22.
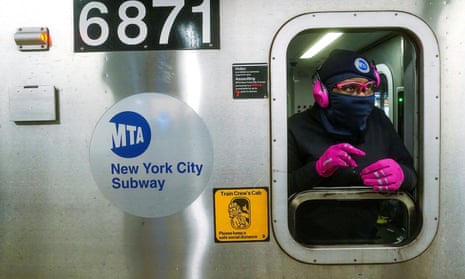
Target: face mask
x: 347, y: 114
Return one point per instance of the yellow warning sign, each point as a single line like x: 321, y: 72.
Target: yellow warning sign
x: 241, y: 214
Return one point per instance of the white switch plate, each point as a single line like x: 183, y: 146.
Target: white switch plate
x: 33, y: 103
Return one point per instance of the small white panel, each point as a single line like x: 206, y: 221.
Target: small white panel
x: 33, y: 103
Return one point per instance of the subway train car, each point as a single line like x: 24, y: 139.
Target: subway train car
x: 148, y: 139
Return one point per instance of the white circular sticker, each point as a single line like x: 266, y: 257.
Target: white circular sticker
x: 151, y: 155
x: 362, y: 65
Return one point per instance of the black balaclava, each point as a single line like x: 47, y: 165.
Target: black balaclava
x: 346, y: 116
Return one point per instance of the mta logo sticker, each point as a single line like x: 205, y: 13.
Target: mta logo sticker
x: 131, y: 134
x: 141, y: 160
x: 362, y: 65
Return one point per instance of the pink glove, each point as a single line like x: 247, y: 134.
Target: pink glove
x: 336, y: 156
x: 384, y: 175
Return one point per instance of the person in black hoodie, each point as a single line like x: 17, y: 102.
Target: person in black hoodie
x: 343, y: 139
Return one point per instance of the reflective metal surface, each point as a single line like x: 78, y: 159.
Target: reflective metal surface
x: 54, y: 221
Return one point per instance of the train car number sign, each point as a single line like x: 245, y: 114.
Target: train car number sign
x: 103, y: 25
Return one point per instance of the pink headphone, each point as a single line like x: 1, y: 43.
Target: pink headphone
x: 320, y: 93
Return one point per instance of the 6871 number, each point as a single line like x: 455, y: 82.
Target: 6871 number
x: 146, y: 24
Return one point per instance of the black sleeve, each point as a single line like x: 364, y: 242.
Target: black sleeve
x: 400, y: 154
x: 299, y: 172
x: 410, y: 178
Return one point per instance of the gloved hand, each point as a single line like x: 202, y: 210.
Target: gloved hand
x: 383, y: 175
x: 336, y: 156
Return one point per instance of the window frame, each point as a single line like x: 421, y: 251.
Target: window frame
x: 429, y: 140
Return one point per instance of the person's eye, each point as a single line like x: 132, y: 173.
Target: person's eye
x: 349, y: 88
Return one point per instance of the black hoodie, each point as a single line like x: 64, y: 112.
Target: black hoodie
x: 308, y: 140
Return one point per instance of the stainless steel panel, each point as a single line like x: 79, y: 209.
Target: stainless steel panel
x: 55, y: 223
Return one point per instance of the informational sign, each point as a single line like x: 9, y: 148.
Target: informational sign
x: 151, y: 155
x: 119, y: 25
x: 241, y: 214
x: 250, y: 81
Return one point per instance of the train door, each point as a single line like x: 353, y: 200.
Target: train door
x: 406, y: 222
